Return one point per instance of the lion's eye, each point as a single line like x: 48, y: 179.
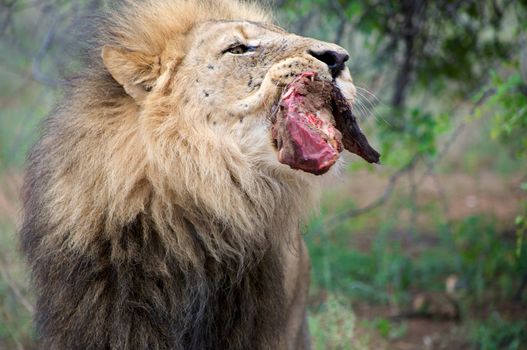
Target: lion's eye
x: 239, y: 49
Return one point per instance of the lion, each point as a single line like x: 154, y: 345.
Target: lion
x: 156, y: 214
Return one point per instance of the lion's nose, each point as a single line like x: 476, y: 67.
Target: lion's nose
x: 335, y: 60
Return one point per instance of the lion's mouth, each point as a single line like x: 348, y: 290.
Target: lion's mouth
x: 313, y: 124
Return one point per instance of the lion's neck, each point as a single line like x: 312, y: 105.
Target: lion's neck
x: 225, y: 282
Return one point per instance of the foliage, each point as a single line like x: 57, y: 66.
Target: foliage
x: 388, y: 329
x: 508, y: 107
x: 485, y: 263
x: 497, y: 333
x: 488, y: 264
x: 332, y: 326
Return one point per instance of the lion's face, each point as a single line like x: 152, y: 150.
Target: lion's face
x: 226, y: 76
x: 232, y: 61
x: 239, y: 69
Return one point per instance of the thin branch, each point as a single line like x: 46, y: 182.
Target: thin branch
x: 486, y: 94
x: 392, y: 182
x: 333, y: 221
x: 518, y: 294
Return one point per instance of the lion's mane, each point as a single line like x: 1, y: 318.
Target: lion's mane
x: 143, y: 235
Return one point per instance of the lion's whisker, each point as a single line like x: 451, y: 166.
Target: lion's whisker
x: 370, y: 94
x: 360, y: 101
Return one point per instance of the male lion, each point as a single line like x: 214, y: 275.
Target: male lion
x: 156, y: 213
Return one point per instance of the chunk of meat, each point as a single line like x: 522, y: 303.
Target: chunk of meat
x: 312, y: 125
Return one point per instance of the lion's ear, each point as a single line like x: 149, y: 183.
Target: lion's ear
x: 135, y: 71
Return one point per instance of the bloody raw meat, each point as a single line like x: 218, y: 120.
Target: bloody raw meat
x: 314, y: 123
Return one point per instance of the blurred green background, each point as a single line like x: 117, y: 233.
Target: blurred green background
x: 426, y: 251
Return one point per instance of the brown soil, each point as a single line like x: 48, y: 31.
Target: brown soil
x: 420, y: 333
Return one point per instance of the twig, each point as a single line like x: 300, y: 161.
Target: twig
x: 333, y: 221
x: 486, y: 94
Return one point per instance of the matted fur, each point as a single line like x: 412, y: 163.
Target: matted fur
x: 145, y: 228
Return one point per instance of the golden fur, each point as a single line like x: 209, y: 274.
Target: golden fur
x: 156, y: 182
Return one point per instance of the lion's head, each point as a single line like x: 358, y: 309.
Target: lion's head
x: 174, y: 121
x: 218, y: 76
